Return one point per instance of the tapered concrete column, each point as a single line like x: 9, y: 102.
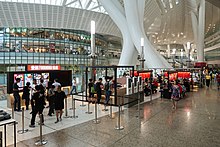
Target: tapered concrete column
x: 133, y: 10
x: 130, y: 22
x: 201, y: 32
x: 116, y: 12
x: 198, y: 25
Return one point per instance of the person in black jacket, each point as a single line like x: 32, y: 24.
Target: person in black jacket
x: 26, y: 94
x: 39, y: 100
x: 59, y: 102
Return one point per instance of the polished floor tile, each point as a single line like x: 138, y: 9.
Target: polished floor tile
x: 195, y: 123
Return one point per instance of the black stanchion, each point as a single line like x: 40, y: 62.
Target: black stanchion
x: 96, y: 121
x: 72, y: 103
x: 22, y: 131
x: 41, y: 141
x: 66, y: 112
x: 74, y: 108
x: 1, y: 145
x: 119, y: 127
x: 82, y: 105
x: 89, y: 112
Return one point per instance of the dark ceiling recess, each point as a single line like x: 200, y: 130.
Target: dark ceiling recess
x: 214, y: 2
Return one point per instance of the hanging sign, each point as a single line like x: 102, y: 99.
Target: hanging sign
x: 42, y: 67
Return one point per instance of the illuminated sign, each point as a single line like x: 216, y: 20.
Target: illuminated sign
x: 42, y: 67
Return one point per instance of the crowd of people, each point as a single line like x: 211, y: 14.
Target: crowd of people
x: 96, y: 87
x: 36, y: 95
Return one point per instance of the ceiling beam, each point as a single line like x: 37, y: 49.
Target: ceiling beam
x: 214, y: 2
x: 64, y: 2
x: 71, y: 2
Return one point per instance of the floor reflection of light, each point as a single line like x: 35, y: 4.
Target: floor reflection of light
x: 147, y: 112
x: 188, y: 114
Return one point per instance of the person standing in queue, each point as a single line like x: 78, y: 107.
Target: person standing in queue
x: 59, y: 103
x: 99, y: 87
x: 107, y: 90
x: 56, y: 84
x: 39, y: 104
x: 51, y: 97
x: 91, y: 90
x: 33, y: 90
x: 26, y: 94
x: 17, y: 101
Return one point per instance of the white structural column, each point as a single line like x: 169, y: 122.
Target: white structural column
x: 116, y: 12
x: 198, y: 24
x: 168, y: 50
x: 133, y: 10
x: 201, y: 32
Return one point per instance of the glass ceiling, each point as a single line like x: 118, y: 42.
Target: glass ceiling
x: 92, y: 5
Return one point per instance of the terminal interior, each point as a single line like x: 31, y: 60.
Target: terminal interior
x: 109, y: 73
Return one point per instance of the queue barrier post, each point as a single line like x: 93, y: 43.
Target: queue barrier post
x: 74, y: 108
x: 119, y: 127
x: 41, y: 141
x: 89, y: 112
x: 151, y: 93
x: 96, y: 121
x: 66, y: 112
x: 12, y: 111
x: 110, y: 114
x: 22, y: 131
x: 72, y: 102
x: 1, y: 145
x: 82, y: 105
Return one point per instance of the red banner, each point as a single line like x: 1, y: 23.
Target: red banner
x: 43, y: 67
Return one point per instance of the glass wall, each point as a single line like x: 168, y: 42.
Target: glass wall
x: 68, y: 48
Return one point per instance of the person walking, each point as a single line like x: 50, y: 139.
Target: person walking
x: 17, y: 101
x: 39, y: 104
x: 175, y: 94
x: 207, y: 78
x: 26, y: 94
x: 59, y: 103
x: 74, y: 85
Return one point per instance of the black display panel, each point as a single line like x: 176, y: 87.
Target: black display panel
x: 64, y: 77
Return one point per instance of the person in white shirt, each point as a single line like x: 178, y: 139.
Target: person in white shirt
x: 56, y: 84
x: 73, y: 86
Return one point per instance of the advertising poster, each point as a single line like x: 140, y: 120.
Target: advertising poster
x: 28, y: 78
x: 37, y: 77
x: 45, y: 76
x: 21, y: 76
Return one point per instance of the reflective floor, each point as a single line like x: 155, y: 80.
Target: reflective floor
x: 195, y: 123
